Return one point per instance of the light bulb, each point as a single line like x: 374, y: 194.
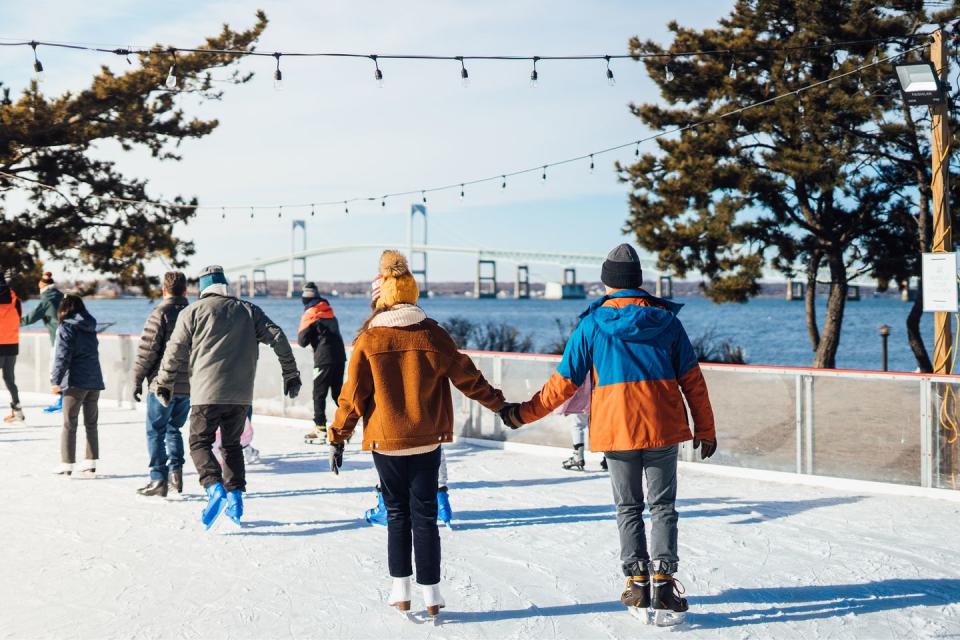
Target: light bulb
x: 346, y: 207
x: 378, y: 76
x: 534, y: 77
x: 251, y: 213
x: 786, y: 64
x: 543, y: 177
x: 461, y: 192
x: 277, y: 75
x: 800, y: 106
x: 37, y: 65
x: 876, y: 59
x: 313, y: 211
x: 667, y: 73
x: 503, y: 185
x: 383, y: 202
x: 836, y: 63
x: 464, y: 78
x: 591, y: 163
x: 733, y: 71
x: 423, y: 194
x: 171, y: 82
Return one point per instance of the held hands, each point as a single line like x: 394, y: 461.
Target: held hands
x: 336, y: 458
x: 164, y: 395
x: 291, y: 387
x: 510, y: 414
x: 707, y: 447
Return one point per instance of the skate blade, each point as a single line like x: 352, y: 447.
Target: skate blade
x: 666, y: 618
x: 643, y: 615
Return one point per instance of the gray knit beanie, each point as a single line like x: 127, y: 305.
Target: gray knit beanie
x: 622, y: 269
x: 309, y: 294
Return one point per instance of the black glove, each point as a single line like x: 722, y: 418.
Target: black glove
x: 707, y: 447
x: 510, y: 414
x: 336, y: 458
x: 291, y: 386
x: 137, y: 392
x: 164, y: 395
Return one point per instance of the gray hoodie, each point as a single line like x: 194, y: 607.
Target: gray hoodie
x: 217, y: 340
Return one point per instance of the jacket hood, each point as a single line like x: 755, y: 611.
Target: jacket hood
x: 82, y: 321
x: 635, y: 322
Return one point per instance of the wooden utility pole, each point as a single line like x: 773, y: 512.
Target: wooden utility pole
x: 942, y: 228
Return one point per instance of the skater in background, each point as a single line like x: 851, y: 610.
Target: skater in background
x: 11, y: 311
x: 77, y: 375
x: 579, y: 407
x: 398, y: 382
x: 378, y: 515
x: 164, y: 440
x: 46, y: 310
x: 642, y: 365
x: 217, y: 339
x: 251, y: 455
x: 320, y: 330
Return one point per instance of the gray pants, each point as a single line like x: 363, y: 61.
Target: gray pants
x: 73, y: 401
x: 627, y: 471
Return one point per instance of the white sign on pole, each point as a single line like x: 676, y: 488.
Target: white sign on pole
x: 940, y: 282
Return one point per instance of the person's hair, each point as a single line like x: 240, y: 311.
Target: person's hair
x: 366, y: 323
x: 47, y: 278
x: 175, y: 282
x: 71, y: 305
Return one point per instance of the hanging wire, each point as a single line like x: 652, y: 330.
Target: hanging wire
x: 793, y: 94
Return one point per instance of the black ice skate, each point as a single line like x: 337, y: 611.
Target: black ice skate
x: 575, y: 462
x: 665, y: 595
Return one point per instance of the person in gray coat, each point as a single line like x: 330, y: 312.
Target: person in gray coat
x: 164, y: 441
x: 217, y: 340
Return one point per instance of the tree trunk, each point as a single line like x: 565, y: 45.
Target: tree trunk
x: 826, y: 354
x: 810, y: 300
x: 914, y: 337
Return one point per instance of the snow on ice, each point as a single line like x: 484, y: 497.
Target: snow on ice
x: 534, y: 554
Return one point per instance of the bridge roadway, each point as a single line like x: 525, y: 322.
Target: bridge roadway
x: 561, y: 258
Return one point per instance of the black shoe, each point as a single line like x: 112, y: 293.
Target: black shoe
x: 665, y: 590
x: 155, y: 488
x: 175, y: 478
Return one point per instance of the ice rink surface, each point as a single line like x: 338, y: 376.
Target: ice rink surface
x: 534, y: 553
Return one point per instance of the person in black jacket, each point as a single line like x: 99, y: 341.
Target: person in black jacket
x: 320, y: 330
x: 164, y: 440
x: 76, y: 373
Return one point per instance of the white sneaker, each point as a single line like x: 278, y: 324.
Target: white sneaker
x: 88, y: 466
x: 64, y: 469
x: 400, y: 594
x: 432, y: 599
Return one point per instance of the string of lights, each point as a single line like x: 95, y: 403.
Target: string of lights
x: 172, y: 51
x: 462, y: 185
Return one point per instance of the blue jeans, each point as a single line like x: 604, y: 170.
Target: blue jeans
x: 164, y: 441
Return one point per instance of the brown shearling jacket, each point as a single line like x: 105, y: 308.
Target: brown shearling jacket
x: 398, y: 381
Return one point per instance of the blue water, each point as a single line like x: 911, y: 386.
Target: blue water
x: 772, y: 331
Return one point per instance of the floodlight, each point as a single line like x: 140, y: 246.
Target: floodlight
x: 919, y: 84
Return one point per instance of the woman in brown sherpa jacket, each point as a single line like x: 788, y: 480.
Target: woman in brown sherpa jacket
x: 398, y: 381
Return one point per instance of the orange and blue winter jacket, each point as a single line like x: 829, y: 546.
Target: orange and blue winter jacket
x: 640, y: 359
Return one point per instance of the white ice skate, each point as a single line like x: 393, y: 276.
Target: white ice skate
x: 400, y: 594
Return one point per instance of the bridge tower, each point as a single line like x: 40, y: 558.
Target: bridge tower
x: 521, y: 288
x: 486, y: 284
x: 418, y: 259
x: 298, y: 266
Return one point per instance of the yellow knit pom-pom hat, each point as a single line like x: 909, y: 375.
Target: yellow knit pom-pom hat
x: 398, y: 286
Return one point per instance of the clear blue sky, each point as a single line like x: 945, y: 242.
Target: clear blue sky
x: 332, y: 134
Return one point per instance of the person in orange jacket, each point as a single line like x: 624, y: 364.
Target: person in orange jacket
x: 11, y: 310
x: 641, y: 366
x: 398, y: 382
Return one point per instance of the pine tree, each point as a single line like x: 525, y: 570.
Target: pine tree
x: 803, y: 185
x: 49, y: 142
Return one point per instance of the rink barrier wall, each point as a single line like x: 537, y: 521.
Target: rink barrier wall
x: 862, y: 425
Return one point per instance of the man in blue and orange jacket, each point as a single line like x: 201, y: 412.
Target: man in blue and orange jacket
x: 642, y: 366
x: 320, y: 330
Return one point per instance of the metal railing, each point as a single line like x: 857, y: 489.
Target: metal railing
x: 887, y: 427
